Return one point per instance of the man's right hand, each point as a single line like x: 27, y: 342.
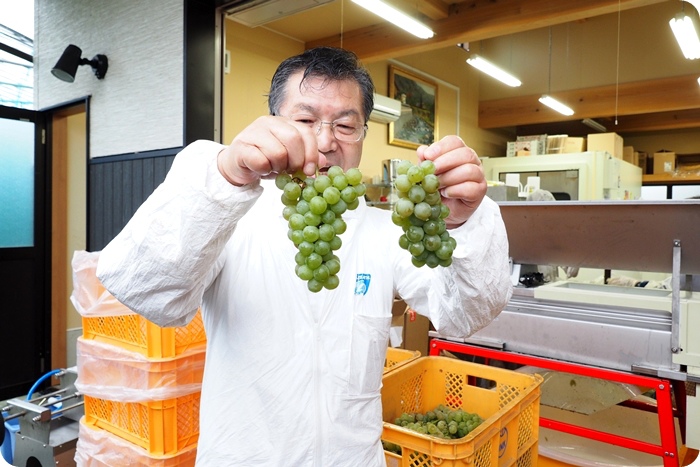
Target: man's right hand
x: 270, y: 145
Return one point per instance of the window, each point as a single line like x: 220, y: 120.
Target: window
x: 16, y: 54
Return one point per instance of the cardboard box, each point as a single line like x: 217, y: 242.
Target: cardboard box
x: 610, y: 142
x: 523, y: 148
x: 642, y: 158
x: 415, y: 328
x: 555, y: 144
x: 664, y: 162
x: 630, y: 155
x: 574, y: 145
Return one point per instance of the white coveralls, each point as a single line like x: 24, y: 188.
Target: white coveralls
x: 292, y: 378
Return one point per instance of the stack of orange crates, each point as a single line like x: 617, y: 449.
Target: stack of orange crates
x: 141, y: 383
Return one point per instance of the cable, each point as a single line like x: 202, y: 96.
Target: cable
x: 41, y: 380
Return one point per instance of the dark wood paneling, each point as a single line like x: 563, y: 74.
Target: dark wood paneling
x: 117, y: 187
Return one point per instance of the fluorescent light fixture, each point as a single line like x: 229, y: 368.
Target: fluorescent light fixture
x: 686, y: 35
x: 552, y: 103
x: 492, y: 70
x: 396, y: 17
x: 699, y: 81
x: 593, y: 124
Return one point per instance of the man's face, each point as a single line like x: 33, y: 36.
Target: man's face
x: 328, y: 101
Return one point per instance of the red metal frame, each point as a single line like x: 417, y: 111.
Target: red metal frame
x: 667, y: 449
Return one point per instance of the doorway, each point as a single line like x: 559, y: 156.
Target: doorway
x: 42, y: 221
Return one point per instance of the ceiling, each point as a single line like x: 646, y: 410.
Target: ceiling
x: 343, y: 23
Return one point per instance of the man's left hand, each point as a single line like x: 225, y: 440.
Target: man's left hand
x: 462, y: 181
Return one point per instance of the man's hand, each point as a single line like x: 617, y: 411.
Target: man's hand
x: 462, y: 182
x: 269, y: 144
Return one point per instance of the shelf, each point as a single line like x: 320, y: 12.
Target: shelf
x: 671, y: 179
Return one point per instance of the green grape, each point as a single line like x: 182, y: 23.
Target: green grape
x: 306, y: 248
x: 292, y: 191
x: 420, y: 213
x: 332, y: 282
x: 333, y: 266
x: 305, y: 273
x: 318, y: 205
x: 326, y: 232
x: 348, y: 194
x: 443, y: 422
x: 321, y: 183
x: 312, y: 219
x: 404, y: 207
x: 339, y: 226
x: 354, y: 177
x: 339, y: 208
x: 403, y: 167
x: 296, y: 222
x: 282, y: 179
x: 311, y: 233
x: 322, y: 247
x: 336, y: 243
x: 314, y: 260
x: 313, y: 209
x: 296, y: 236
x: 416, y: 194
x: 288, y: 211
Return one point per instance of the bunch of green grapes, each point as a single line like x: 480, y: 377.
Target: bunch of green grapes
x: 443, y: 422
x: 420, y: 213
x: 313, y: 207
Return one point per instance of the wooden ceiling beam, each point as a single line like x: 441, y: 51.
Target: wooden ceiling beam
x: 642, y: 97
x: 472, y: 21
x: 658, y: 121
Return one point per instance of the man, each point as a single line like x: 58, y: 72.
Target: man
x: 292, y: 377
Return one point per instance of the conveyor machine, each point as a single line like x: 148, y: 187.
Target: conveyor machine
x: 632, y: 335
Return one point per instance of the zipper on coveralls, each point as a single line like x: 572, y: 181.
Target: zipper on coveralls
x: 318, y: 432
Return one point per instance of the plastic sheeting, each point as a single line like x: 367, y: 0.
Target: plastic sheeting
x: 109, y: 372
x: 89, y: 297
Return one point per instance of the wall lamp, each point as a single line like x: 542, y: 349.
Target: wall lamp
x: 70, y: 60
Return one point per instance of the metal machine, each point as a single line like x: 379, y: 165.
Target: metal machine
x: 48, y: 424
x: 647, y: 337
x: 593, y: 175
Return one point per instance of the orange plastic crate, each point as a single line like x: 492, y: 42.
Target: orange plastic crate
x: 134, y: 332
x: 509, y: 405
x: 161, y: 427
x: 397, y: 357
x: 99, y: 448
x: 109, y: 367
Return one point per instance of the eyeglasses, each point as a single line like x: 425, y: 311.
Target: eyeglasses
x: 343, y: 129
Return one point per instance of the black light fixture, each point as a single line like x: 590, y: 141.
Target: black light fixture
x: 67, y: 65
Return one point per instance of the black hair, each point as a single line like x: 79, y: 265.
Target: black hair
x: 329, y: 63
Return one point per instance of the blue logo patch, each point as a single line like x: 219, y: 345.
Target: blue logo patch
x: 362, y: 284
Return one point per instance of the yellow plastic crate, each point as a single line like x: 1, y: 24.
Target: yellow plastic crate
x: 134, y: 332
x: 397, y: 357
x: 509, y: 405
x: 162, y: 427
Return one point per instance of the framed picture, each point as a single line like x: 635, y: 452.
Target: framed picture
x: 418, y: 121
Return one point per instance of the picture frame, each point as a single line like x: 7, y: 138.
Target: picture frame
x: 418, y: 121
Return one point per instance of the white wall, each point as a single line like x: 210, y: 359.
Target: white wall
x: 138, y: 106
